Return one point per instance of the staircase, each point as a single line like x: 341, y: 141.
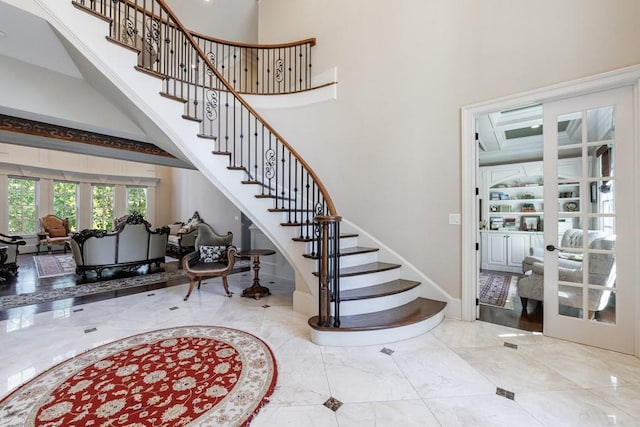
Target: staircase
x: 360, y: 300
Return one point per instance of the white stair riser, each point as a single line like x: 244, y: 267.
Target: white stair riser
x: 380, y: 336
x: 363, y: 280
x: 359, y: 259
x: 372, y: 305
x: 345, y: 242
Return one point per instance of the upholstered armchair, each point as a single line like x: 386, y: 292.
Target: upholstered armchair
x: 602, y: 272
x: 214, y: 256
x: 12, y: 244
x: 182, y: 235
x: 571, y: 238
x: 53, y: 230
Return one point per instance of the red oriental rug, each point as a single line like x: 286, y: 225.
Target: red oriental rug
x: 192, y: 375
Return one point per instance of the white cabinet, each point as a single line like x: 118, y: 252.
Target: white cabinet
x: 512, y: 195
x: 505, y: 251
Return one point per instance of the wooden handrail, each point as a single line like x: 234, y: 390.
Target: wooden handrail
x: 310, y: 41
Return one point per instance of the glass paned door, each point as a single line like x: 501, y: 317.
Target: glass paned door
x: 589, y: 287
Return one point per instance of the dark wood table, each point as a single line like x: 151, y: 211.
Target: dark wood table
x: 256, y: 290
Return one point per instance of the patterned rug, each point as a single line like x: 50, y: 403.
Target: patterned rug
x: 54, y: 265
x: 11, y: 301
x: 172, y: 377
x: 498, y: 290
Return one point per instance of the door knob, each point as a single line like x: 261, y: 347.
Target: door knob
x: 551, y: 248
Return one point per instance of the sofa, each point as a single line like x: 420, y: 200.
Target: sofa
x: 12, y: 244
x: 131, y: 245
x: 182, y: 235
x: 571, y: 239
x: 53, y: 230
x: 601, y: 272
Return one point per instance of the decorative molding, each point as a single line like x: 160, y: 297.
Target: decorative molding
x: 47, y: 130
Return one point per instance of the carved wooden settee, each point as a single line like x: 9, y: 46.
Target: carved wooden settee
x: 182, y: 235
x: 130, y: 245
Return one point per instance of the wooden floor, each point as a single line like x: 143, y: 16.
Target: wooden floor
x: 27, y: 281
x: 531, y: 320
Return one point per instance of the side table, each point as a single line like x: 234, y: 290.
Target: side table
x: 256, y: 290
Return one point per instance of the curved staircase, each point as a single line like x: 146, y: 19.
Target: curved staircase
x: 369, y: 302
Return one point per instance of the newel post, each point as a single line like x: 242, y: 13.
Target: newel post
x: 328, y: 244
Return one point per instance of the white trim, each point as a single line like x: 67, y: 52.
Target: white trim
x: 629, y: 76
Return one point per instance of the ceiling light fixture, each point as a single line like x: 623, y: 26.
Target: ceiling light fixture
x: 2, y: 33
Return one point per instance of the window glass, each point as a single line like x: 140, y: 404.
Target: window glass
x: 22, y: 205
x: 137, y: 200
x: 102, y: 202
x: 65, y: 201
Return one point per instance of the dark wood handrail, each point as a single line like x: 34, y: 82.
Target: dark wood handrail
x: 310, y: 41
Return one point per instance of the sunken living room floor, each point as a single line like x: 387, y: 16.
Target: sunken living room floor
x: 530, y: 320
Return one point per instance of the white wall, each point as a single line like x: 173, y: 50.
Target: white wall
x: 233, y: 20
x: 191, y: 191
x: 60, y: 99
x: 391, y: 141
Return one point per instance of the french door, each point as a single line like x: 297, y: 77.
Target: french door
x: 589, y: 280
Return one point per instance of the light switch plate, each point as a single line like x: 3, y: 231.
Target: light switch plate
x: 455, y: 219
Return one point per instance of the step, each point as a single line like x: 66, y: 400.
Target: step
x: 354, y: 250
x: 396, y: 324
x: 378, y: 298
x: 376, y: 291
x: 374, y: 267
x: 367, y: 275
x: 352, y: 256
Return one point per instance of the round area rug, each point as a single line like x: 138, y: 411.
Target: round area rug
x: 192, y: 375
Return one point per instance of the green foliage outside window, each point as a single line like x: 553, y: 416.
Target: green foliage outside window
x: 102, y: 206
x: 22, y: 206
x: 137, y: 200
x: 65, y: 201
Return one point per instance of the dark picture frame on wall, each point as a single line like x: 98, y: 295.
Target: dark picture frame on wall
x: 530, y: 223
x: 593, y: 192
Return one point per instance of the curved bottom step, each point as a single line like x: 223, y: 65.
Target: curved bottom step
x: 396, y: 324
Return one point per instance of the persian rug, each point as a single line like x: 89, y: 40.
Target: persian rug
x: 54, y: 265
x: 498, y: 290
x: 195, y: 375
x: 83, y: 289
x: 92, y: 288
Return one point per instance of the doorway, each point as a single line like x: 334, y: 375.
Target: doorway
x: 472, y: 238
x: 510, y: 181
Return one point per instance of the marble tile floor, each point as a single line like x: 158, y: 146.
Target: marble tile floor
x: 448, y: 377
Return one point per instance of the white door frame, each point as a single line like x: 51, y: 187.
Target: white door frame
x: 629, y: 76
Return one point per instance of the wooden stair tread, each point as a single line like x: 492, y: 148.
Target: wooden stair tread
x: 191, y: 118
x: 203, y: 136
x: 292, y: 210
x: 413, y: 312
x: 370, y: 268
x: 355, y: 250
x: 310, y: 239
x: 389, y: 288
x: 173, y: 97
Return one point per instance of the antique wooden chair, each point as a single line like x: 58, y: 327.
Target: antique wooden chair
x: 214, y: 256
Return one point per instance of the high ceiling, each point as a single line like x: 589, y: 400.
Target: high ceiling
x: 29, y: 39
